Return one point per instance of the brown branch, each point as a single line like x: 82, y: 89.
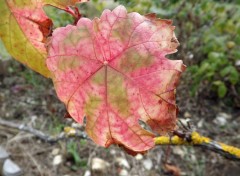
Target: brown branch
x: 39, y: 134
x: 193, y: 139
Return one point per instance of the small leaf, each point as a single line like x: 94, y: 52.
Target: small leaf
x: 113, y: 70
x: 222, y: 90
x: 24, y: 29
x: 225, y: 71
x: 234, y: 76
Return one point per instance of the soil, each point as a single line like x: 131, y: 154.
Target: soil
x: 28, y: 98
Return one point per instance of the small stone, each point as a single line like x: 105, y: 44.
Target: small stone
x: 193, y: 158
x: 87, y: 173
x: 122, y: 162
x: 76, y: 125
x: 123, y: 172
x: 11, y: 169
x: 139, y: 157
x: 99, y: 165
x: 187, y: 115
x: 57, y: 160
x: 237, y: 63
x: 190, y: 56
x: 221, y: 119
x: 55, y: 151
x: 147, y: 163
x: 224, y: 115
x: 113, y: 152
x: 3, y: 154
x: 200, y: 123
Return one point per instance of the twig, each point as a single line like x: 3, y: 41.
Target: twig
x: 195, y: 139
x: 45, y: 137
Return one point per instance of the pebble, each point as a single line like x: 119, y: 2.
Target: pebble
x: 224, y: 115
x: 122, y: 162
x: 139, y: 157
x: 187, y: 115
x: 200, y: 123
x: 55, y: 151
x: 87, y: 173
x: 11, y: 169
x: 113, y: 152
x: 76, y: 125
x: 237, y: 63
x: 221, y: 119
x: 99, y: 165
x: 123, y: 172
x: 147, y: 164
x: 57, y: 160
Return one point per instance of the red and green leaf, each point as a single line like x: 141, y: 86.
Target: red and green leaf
x: 24, y: 29
x: 113, y: 70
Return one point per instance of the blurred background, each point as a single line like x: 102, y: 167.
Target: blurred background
x: 208, y: 96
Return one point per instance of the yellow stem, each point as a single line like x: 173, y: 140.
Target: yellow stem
x: 197, y: 139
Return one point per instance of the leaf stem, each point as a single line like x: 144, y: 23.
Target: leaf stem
x: 74, y: 11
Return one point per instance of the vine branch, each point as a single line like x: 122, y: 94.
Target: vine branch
x: 195, y: 139
x: 68, y: 132
x: 192, y: 139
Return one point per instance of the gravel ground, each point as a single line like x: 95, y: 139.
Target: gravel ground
x: 26, y: 97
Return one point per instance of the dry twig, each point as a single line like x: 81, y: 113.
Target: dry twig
x: 193, y: 139
x: 39, y: 134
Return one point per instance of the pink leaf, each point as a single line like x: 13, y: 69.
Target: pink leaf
x: 24, y: 29
x: 113, y: 70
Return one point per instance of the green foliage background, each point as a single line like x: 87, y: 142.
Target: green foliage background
x: 209, y: 33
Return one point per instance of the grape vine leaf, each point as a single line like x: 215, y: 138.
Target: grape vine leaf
x: 24, y: 28
x: 113, y: 71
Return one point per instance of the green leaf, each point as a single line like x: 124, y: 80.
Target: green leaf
x: 226, y: 70
x: 215, y: 55
x: 222, y: 90
x: 234, y: 76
